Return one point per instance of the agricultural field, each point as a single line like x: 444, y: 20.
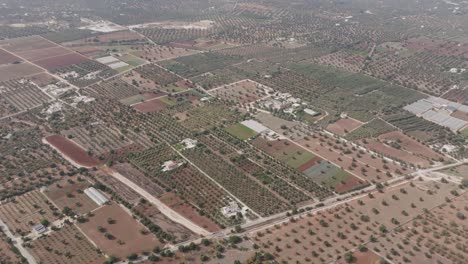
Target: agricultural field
x: 190, y: 66
x: 155, y: 53
x: 235, y: 181
x: 241, y: 131
x: 343, y: 126
x: 233, y: 131
x: 209, y: 116
x: 241, y: 93
x: 69, y: 193
x: 27, y: 163
x: 26, y: 211
x: 364, y: 224
x: 116, y: 233
x: 68, y: 245
x: 19, y: 96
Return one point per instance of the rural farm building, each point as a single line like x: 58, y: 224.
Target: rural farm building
x: 96, y: 196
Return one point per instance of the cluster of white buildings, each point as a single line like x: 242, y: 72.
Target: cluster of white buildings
x: 286, y: 103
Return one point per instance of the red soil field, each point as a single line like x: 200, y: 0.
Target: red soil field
x: 6, y: 57
x: 343, y: 124
x: 72, y: 151
x: 349, y: 184
x: 27, y: 43
x: 39, y: 54
x: 15, y: 71
x: 366, y: 257
x: 410, y: 150
x: 309, y: 164
x: 61, y: 61
x: 189, y: 212
x: 150, y: 106
x: 126, y: 232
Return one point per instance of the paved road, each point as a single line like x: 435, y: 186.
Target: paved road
x: 166, y: 210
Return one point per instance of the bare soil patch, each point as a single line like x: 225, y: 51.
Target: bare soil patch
x: 61, y: 61
x: 16, y: 71
x: 7, y: 58
x: 72, y: 151
x: 344, y: 126
x: 125, y: 235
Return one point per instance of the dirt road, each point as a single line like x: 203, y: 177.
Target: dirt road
x: 166, y: 210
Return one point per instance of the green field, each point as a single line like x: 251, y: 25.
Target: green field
x: 297, y: 159
x: 173, y: 88
x: 464, y: 133
x: 241, y: 131
x: 336, y: 179
x: 167, y: 101
x: 133, y: 99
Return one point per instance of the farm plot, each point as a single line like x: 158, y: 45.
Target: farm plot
x: 118, y: 187
x: 217, y: 78
x: 97, y: 139
x: 42, y: 79
x: 436, y: 235
x: 25, y: 44
x: 122, y: 37
x: 407, y: 149
x: 72, y: 151
x: 166, y: 35
x: 344, y: 126
x: 242, y: 92
x: 190, y: 66
x: 457, y: 95
x: 85, y: 73
x: 347, y: 60
x: 210, y: 115
x: 19, y: 70
x: 41, y: 54
x: 155, y: 105
x: 7, y: 57
x: 284, y: 150
x: 17, y: 96
x: 159, y: 53
x: 460, y: 171
x: 241, y: 131
x: 61, y: 61
x: 371, y: 129
x: 116, y: 233
x: 69, y: 193
x: 26, y: 211
x: 327, y: 236
x: 360, y: 163
x: 189, y: 212
x: 137, y: 177
x: 67, y: 245
x: 151, y: 160
x: 201, y: 193
x: 322, y: 172
x: 115, y: 88
x: 179, y: 232
x: 254, y: 195
x: 139, y: 81
x: 159, y: 76
x: 203, y: 44
x: 427, y: 132
x: 26, y: 163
